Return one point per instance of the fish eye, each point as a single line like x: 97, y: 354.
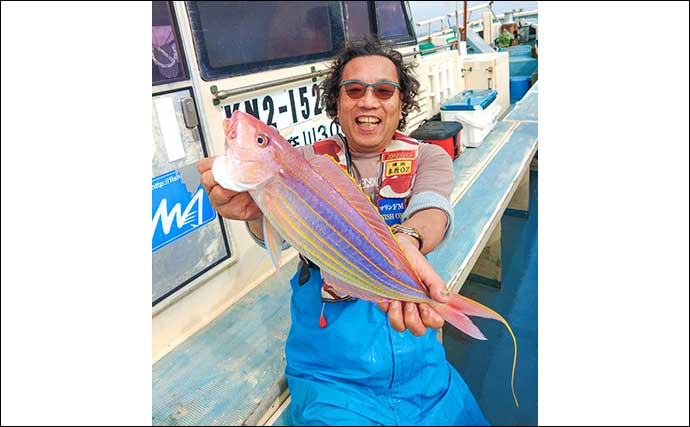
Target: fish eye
x: 262, y: 140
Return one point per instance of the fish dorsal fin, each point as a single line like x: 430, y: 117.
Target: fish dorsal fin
x: 332, y: 173
x: 273, y: 243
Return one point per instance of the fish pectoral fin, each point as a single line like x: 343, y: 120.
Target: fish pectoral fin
x: 273, y: 242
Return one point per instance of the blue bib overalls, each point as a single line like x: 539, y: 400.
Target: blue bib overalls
x: 359, y: 371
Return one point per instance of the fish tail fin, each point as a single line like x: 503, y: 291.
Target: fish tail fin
x: 456, y: 312
x: 458, y: 319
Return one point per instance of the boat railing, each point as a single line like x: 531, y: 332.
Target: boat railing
x: 429, y: 22
x: 476, y: 24
x: 451, y: 28
x: 223, y: 94
x: 501, y: 18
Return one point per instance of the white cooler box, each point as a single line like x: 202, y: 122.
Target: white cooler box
x: 477, y: 110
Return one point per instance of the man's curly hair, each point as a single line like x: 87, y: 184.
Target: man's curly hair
x: 409, y: 86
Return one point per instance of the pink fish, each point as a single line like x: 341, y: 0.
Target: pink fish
x: 323, y: 213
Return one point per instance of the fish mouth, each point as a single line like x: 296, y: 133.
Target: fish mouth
x: 222, y: 172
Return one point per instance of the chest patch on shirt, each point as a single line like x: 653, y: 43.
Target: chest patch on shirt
x: 398, y: 167
x: 391, y: 210
x: 388, y: 156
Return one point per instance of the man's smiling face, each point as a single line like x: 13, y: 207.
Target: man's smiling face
x: 369, y: 123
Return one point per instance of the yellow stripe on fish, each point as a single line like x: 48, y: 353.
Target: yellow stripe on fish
x: 367, y: 281
x: 380, y: 290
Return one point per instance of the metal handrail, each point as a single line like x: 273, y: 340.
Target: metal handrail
x: 499, y: 17
x: 220, y: 95
x: 223, y: 94
x: 434, y: 49
x: 430, y: 21
x: 470, y: 10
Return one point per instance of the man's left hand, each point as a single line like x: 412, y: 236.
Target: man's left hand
x: 412, y: 316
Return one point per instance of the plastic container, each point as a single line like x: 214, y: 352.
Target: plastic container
x: 520, y: 50
x: 444, y: 134
x: 522, y: 66
x: 519, y: 85
x: 424, y: 47
x: 477, y: 110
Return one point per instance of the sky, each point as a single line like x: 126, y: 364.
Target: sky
x: 422, y: 10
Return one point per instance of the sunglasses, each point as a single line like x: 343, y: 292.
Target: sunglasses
x: 356, y: 89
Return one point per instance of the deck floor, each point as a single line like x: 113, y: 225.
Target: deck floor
x: 486, y: 365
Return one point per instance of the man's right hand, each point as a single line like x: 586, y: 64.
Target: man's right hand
x: 229, y: 204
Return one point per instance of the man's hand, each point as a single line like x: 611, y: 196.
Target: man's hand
x: 417, y: 317
x: 229, y: 204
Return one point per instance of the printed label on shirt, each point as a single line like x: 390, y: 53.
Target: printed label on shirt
x: 367, y: 183
x: 391, y: 210
x: 399, y: 167
x: 398, y: 155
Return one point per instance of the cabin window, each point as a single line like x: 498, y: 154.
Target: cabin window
x: 188, y: 237
x: 387, y: 20
x: 167, y: 58
x: 358, y: 19
x: 393, y: 22
x: 235, y: 38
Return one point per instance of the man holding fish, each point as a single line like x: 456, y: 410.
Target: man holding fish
x: 349, y: 362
